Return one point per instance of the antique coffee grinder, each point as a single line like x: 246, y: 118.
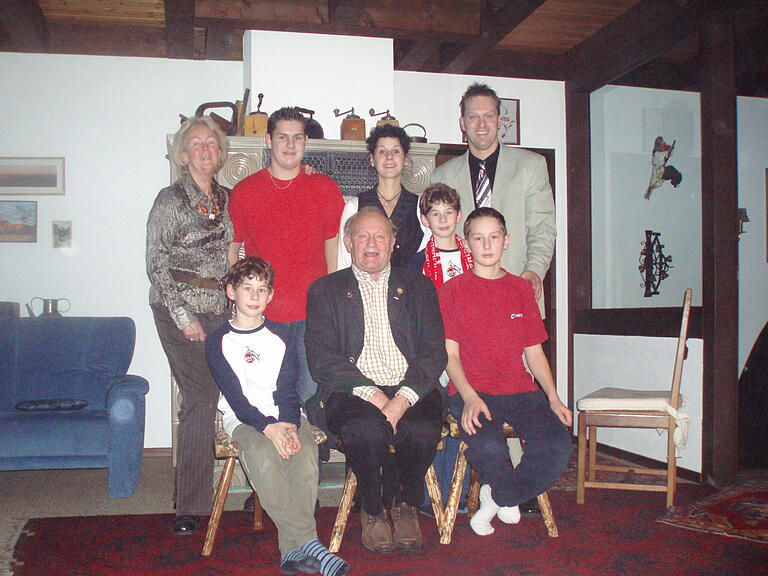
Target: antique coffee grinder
x: 387, y: 118
x: 255, y: 124
x: 352, y: 127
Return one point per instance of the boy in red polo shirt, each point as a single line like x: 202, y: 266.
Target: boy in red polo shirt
x: 491, y: 321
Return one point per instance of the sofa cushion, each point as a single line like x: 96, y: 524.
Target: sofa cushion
x: 70, y: 432
x: 51, y: 404
x: 62, y: 358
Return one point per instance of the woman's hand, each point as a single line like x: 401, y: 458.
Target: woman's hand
x: 284, y: 437
x: 470, y: 416
x: 194, y: 332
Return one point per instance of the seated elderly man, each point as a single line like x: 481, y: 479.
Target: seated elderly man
x: 375, y: 348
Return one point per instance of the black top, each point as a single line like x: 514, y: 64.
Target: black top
x: 405, y: 218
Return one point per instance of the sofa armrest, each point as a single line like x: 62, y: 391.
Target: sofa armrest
x: 125, y: 405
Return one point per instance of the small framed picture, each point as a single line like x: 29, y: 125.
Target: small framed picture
x: 509, y: 129
x: 31, y: 176
x: 62, y: 233
x: 18, y: 221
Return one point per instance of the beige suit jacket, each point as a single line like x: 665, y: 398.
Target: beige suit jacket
x: 521, y: 192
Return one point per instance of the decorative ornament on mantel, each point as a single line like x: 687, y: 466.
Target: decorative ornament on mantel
x: 654, y: 264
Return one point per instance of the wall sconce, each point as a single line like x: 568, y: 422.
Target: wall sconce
x: 743, y: 219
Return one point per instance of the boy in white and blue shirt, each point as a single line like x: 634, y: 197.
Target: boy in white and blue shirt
x: 255, y: 364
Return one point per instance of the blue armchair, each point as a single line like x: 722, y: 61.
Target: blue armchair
x: 65, y: 398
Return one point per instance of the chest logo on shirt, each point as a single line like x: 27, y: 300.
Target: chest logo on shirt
x: 251, y: 356
x: 453, y: 270
x: 513, y: 316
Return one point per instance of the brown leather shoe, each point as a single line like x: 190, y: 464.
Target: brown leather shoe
x: 377, y: 533
x: 407, y: 531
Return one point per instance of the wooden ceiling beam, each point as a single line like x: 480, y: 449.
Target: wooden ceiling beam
x: 106, y: 40
x: 347, y: 11
x: 223, y: 43
x: 339, y: 29
x: 644, y: 32
x: 494, y: 26
x: 24, y: 22
x: 415, y: 58
x: 514, y: 64
x: 180, y: 28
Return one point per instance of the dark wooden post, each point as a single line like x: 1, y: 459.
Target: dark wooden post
x: 579, y: 214
x: 719, y: 203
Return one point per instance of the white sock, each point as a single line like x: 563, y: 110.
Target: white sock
x: 509, y: 514
x: 481, y: 521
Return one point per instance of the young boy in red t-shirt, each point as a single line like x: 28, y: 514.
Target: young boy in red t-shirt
x: 491, y: 321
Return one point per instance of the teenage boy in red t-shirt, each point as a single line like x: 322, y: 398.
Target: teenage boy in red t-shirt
x: 491, y: 321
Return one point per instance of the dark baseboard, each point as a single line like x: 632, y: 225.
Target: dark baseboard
x: 158, y: 452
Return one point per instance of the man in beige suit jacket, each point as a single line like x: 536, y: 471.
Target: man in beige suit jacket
x: 519, y: 182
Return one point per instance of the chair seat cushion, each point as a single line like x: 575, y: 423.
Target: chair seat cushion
x: 624, y: 399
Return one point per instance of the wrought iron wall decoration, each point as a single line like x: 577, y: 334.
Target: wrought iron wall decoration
x: 654, y: 264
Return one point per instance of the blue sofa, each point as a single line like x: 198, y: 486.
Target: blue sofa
x: 65, y: 398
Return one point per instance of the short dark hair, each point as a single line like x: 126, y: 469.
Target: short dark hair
x: 478, y: 89
x: 248, y: 268
x: 388, y: 131
x: 439, y: 193
x: 285, y: 113
x: 484, y: 212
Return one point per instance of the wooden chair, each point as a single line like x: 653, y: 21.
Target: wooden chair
x: 226, y: 448
x: 622, y: 408
x: 348, y: 495
x: 451, y: 507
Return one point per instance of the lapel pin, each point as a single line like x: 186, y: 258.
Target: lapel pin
x: 349, y: 294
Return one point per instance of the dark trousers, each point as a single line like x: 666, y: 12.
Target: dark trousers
x: 197, y: 412
x: 546, y: 453
x: 366, y: 437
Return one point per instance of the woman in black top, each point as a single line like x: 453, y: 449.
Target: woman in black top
x: 388, y: 148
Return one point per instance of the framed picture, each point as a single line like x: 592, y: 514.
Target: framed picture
x: 62, y: 233
x: 31, y: 176
x: 509, y: 131
x: 18, y: 221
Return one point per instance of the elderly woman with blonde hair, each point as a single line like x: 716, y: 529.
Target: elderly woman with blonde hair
x: 188, y: 234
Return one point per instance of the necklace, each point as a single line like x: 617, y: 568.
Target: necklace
x: 276, y: 185
x: 388, y: 201
x: 212, y: 212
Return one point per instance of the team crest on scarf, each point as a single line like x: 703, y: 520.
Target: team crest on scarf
x: 251, y: 356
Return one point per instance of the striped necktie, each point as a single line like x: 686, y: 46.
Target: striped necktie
x: 483, y: 190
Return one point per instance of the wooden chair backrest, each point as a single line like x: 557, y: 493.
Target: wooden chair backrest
x: 682, y: 351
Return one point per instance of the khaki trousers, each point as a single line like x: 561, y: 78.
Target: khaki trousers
x: 287, y: 489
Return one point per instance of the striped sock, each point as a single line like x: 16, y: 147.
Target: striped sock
x: 297, y: 561
x: 330, y: 565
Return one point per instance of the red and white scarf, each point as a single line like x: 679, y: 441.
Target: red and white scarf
x: 432, y: 267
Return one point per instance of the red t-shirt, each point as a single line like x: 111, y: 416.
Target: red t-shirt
x: 288, y: 227
x: 492, y: 321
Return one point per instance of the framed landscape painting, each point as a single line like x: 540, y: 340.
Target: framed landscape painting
x: 18, y: 221
x: 31, y: 176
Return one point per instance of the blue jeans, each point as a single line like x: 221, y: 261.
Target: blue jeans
x: 305, y: 386
x: 547, y: 447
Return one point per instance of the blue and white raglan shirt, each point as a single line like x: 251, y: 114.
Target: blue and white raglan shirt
x: 256, y: 371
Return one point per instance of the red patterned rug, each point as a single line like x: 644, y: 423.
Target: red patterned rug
x: 740, y: 511
x: 614, y: 534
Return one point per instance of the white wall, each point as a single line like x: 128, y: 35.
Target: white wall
x: 644, y: 364
x: 752, y: 143
x: 320, y: 72
x: 108, y: 117
x: 625, y: 122
x: 432, y: 100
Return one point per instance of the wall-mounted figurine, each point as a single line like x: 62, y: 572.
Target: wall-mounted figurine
x: 660, y: 171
